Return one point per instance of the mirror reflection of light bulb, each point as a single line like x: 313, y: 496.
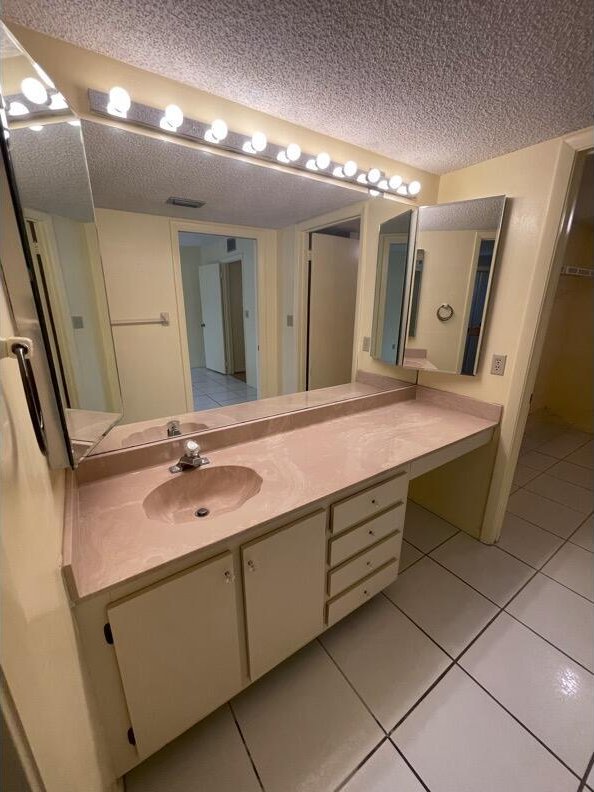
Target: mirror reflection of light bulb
x: 57, y: 102
x: 414, y: 188
x: 17, y: 109
x: 323, y: 160
x: 219, y: 129
x: 36, y: 128
x: 293, y: 152
x: 311, y: 165
x: 75, y: 122
x: 394, y: 182
x: 338, y: 172
x: 174, y: 116
x: 259, y: 141
x: 373, y: 175
x: 350, y: 168
x: 33, y: 90
x: 119, y: 99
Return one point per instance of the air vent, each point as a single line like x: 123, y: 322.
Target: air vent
x: 187, y: 203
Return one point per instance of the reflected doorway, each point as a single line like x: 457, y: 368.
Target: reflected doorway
x: 219, y: 288
x: 331, y: 303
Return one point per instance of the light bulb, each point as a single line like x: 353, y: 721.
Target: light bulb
x: 174, y: 116
x: 33, y: 90
x: 293, y: 152
x: 350, y: 168
x: 74, y: 123
x: 402, y: 190
x: 119, y: 100
x: 57, y: 102
x: 311, y: 165
x: 414, y: 188
x: 282, y: 157
x: 383, y: 184
x: 45, y: 77
x: 36, y: 128
x: 338, y: 172
x: 373, y: 175
x: 248, y: 148
x: 259, y: 141
x: 374, y: 193
x: 17, y: 109
x: 323, y: 160
x: 362, y: 178
x: 394, y: 182
x: 219, y: 129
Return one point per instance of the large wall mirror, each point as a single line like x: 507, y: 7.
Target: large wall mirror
x: 433, y: 293
x: 46, y: 159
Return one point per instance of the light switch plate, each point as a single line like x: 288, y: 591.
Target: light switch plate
x: 498, y: 365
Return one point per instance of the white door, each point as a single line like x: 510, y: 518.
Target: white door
x: 211, y: 299
x: 332, y: 297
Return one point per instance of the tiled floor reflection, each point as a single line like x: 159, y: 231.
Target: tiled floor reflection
x: 212, y: 389
x: 472, y: 673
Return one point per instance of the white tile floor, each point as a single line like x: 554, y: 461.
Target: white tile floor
x: 472, y: 673
x: 212, y: 389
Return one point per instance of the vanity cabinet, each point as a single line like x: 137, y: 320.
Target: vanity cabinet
x: 178, y: 651
x: 283, y: 577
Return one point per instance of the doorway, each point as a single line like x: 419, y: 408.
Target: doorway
x: 219, y: 289
x: 332, y: 273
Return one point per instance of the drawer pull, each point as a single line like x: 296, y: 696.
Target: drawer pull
x: 365, y: 592
x: 369, y: 563
x: 373, y: 500
x: 371, y: 532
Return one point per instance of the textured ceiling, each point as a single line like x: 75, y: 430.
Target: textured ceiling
x: 136, y: 173
x: 439, y: 85
x: 481, y: 214
x: 51, y: 171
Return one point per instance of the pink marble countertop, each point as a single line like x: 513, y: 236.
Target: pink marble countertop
x: 113, y: 540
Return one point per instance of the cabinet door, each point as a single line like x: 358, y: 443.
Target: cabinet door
x: 283, y: 577
x: 177, y: 647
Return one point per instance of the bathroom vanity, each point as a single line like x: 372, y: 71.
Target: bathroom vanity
x: 178, y: 613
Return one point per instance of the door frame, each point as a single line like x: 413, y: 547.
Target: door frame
x: 266, y: 299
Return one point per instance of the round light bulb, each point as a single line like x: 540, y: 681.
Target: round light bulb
x: 17, y: 109
x: 373, y: 175
x: 338, y: 172
x: 402, y: 190
x: 349, y: 168
x: 414, y: 188
x: 219, y: 129
x: 374, y: 193
x: 46, y: 79
x: 33, y: 90
x: 119, y: 98
x: 394, y: 182
x: 383, y: 185
x: 311, y: 165
x: 36, y: 128
x: 259, y: 141
x: 282, y: 157
x: 323, y: 160
x: 57, y: 102
x: 293, y: 152
x: 174, y: 116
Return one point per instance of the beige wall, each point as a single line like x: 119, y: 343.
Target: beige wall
x: 39, y: 652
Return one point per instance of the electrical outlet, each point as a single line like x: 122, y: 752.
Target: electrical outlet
x: 366, y: 344
x: 498, y: 365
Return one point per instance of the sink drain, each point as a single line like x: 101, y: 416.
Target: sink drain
x: 203, y: 512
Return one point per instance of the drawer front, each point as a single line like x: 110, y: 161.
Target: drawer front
x: 352, y: 572
x: 363, y: 536
x: 366, y: 504
x: 360, y: 593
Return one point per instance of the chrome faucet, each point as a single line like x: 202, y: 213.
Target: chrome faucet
x: 173, y: 429
x: 191, y: 458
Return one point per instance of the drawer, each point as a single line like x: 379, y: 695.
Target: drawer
x: 359, y: 594
x: 365, y: 504
x: 363, y: 536
x: 353, y: 571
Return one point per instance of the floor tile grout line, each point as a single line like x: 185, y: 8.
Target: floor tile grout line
x: 550, y: 643
x: 517, y: 720
x: 433, y: 685
x: 427, y: 552
x: 447, y: 569
x: 557, y: 478
x: 363, y: 761
x: 409, y: 764
x: 542, y: 572
x: 584, y: 780
x: 353, y: 688
x: 245, y: 745
x: 418, y: 626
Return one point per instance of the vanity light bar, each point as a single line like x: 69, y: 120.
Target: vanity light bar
x: 172, y: 120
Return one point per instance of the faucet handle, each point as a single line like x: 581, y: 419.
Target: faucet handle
x: 192, y: 449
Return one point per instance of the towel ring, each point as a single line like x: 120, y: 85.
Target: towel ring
x: 444, y: 312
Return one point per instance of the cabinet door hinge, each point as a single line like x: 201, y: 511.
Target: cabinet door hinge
x: 108, y: 633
